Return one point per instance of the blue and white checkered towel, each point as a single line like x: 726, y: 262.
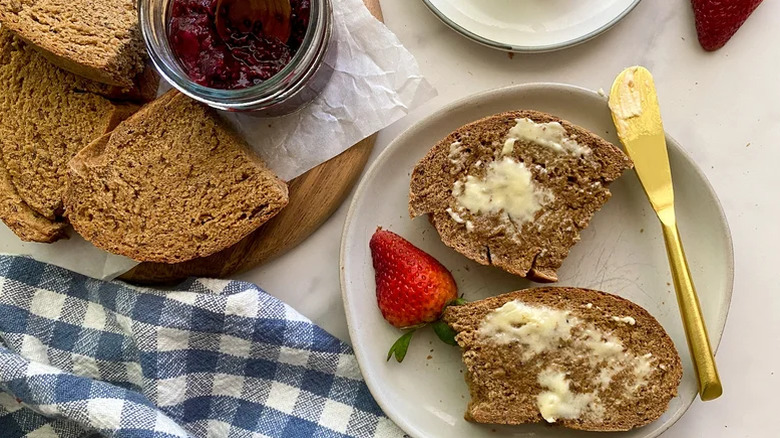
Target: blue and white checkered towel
x: 82, y: 358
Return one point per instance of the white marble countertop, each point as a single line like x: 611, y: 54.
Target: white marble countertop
x: 722, y: 107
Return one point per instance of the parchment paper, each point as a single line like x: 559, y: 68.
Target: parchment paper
x: 376, y: 81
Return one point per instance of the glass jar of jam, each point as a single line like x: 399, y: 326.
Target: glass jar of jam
x: 238, y: 68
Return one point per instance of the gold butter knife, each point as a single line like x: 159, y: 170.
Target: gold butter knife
x: 637, y: 117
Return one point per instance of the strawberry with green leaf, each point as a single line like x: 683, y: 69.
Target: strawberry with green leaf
x: 412, y: 288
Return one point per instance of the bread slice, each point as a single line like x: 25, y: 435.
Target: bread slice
x: 551, y: 189
x: 46, y: 116
x: 576, y: 357
x: 20, y: 218
x: 97, y: 39
x: 170, y: 184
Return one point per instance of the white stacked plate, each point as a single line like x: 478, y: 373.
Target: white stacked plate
x: 530, y: 25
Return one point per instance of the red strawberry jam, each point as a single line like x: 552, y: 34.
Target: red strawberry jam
x: 244, y: 58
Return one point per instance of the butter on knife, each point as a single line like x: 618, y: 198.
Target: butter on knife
x: 629, y: 99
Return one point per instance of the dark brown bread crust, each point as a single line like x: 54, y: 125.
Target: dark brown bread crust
x: 579, y: 186
x: 170, y: 184
x: 503, y: 389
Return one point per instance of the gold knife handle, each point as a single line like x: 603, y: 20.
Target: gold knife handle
x: 690, y: 310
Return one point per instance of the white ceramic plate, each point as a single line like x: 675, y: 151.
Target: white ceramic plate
x: 622, y: 252
x: 530, y: 25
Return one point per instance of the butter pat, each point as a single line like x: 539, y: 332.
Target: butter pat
x: 509, y: 146
x: 626, y: 319
x: 455, y: 151
x: 551, y: 135
x: 507, y: 187
x: 558, y: 401
x: 455, y: 216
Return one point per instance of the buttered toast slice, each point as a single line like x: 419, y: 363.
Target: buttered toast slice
x: 515, y: 189
x: 576, y: 357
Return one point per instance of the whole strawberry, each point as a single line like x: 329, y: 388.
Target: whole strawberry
x: 412, y: 287
x: 718, y: 20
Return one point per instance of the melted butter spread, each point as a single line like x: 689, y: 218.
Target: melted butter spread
x: 507, y: 187
x: 456, y: 149
x: 551, y: 135
x: 539, y: 329
x: 536, y: 328
x: 558, y: 401
x: 626, y: 319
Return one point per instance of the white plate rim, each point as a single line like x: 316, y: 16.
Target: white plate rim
x: 527, y: 49
x: 474, y: 99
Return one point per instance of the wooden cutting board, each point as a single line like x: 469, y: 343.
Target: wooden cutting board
x: 314, y: 196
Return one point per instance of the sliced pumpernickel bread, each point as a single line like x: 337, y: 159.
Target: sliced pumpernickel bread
x: 23, y: 220
x: 46, y: 116
x: 500, y: 197
x: 97, y: 39
x: 170, y: 184
x: 577, y: 357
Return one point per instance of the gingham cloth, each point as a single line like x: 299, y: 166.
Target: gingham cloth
x: 82, y: 358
